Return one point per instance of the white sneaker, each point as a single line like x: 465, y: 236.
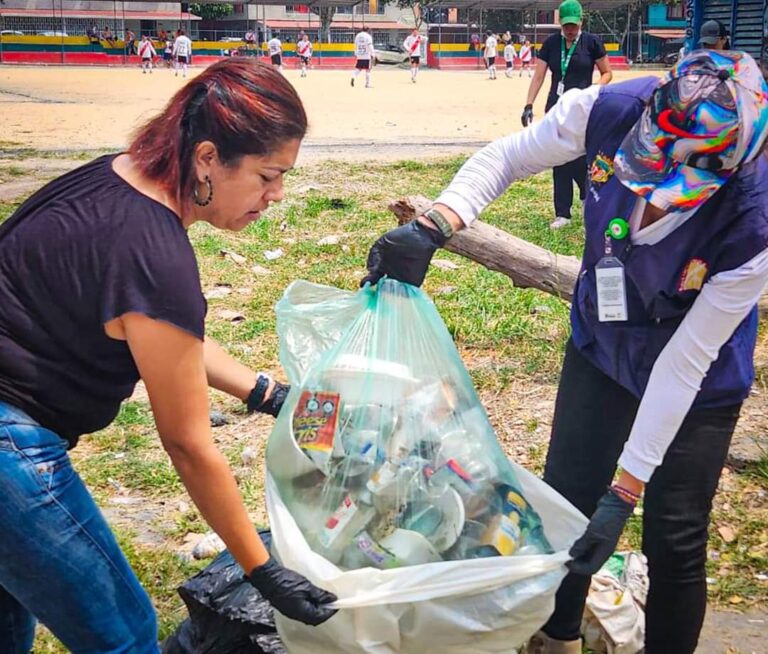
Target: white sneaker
x: 559, y: 222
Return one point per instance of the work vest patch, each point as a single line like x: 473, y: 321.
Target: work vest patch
x: 694, y: 274
x: 601, y: 169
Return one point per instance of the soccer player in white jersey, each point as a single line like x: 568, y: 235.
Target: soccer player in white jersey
x: 147, y: 53
x: 363, y: 56
x: 304, y: 50
x: 275, y: 49
x: 526, y: 55
x: 490, y: 53
x: 412, y: 45
x: 510, y: 54
x: 182, y: 52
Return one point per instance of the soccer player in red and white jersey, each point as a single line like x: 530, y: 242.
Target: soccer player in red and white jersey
x: 147, y: 53
x: 526, y: 56
x: 412, y: 45
x: 304, y: 50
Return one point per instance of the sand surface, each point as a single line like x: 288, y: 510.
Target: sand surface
x: 71, y: 108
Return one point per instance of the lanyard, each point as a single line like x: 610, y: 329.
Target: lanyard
x: 565, y: 59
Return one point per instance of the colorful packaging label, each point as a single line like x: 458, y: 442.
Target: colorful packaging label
x: 503, y: 534
x: 379, y: 556
x: 513, y: 502
x: 340, y: 518
x: 315, y: 420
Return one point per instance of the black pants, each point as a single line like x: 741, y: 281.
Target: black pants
x: 593, y: 418
x: 564, y: 177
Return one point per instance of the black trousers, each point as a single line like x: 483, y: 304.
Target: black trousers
x: 564, y: 176
x: 593, y: 418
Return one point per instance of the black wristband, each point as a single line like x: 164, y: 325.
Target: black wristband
x: 256, y: 397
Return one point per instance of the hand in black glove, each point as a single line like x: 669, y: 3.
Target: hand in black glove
x: 403, y: 253
x: 527, y: 117
x: 273, y: 403
x: 599, y: 540
x: 292, y: 594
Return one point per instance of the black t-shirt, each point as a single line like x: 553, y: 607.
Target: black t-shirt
x: 83, y: 250
x: 588, y: 50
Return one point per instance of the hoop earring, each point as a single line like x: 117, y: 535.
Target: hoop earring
x: 196, y: 197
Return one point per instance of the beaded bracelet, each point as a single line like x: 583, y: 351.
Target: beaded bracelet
x: 624, y: 494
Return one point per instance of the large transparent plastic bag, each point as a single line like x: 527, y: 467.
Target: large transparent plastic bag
x: 387, y: 486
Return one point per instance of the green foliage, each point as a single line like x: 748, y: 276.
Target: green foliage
x: 212, y: 11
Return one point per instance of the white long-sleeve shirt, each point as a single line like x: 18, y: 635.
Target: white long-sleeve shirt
x: 724, y: 301
x: 182, y: 46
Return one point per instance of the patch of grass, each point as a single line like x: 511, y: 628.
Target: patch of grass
x: 409, y: 166
x: 7, y: 208
x: 13, y: 150
x: 134, y: 413
x: 12, y: 171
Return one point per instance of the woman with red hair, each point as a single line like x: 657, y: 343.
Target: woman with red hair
x: 100, y: 288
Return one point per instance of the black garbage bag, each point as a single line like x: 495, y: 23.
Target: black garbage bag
x: 226, y: 614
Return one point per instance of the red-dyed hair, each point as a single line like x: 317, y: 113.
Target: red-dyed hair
x: 241, y: 106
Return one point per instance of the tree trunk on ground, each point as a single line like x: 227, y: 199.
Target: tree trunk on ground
x: 526, y: 264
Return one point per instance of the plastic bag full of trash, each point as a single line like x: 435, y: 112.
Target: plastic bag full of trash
x: 386, y: 485
x: 392, y: 461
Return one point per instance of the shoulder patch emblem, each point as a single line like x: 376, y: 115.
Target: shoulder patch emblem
x: 693, y: 275
x: 601, y: 169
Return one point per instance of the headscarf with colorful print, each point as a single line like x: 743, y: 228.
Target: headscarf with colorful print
x: 709, y: 116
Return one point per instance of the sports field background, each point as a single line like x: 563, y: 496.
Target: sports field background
x: 65, y: 108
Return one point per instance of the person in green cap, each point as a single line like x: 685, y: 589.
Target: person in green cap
x: 571, y: 56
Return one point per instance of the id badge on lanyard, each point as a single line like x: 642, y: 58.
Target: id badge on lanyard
x: 565, y: 60
x: 610, y: 278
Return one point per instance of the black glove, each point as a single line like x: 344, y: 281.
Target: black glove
x: 527, y: 117
x: 602, y: 535
x: 292, y: 594
x: 403, y: 253
x: 272, y: 406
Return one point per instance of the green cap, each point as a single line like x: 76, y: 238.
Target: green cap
x: 570, y: 12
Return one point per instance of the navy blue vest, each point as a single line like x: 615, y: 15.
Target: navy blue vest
x: 663, y: 280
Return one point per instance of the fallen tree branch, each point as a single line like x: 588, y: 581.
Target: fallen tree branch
x: 526, y: 264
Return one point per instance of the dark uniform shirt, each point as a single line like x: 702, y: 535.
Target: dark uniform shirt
x: 588, y: 50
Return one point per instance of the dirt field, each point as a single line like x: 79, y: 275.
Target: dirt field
x: 89, y: 108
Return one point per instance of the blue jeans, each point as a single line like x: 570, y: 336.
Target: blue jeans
x: 59, y: 561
